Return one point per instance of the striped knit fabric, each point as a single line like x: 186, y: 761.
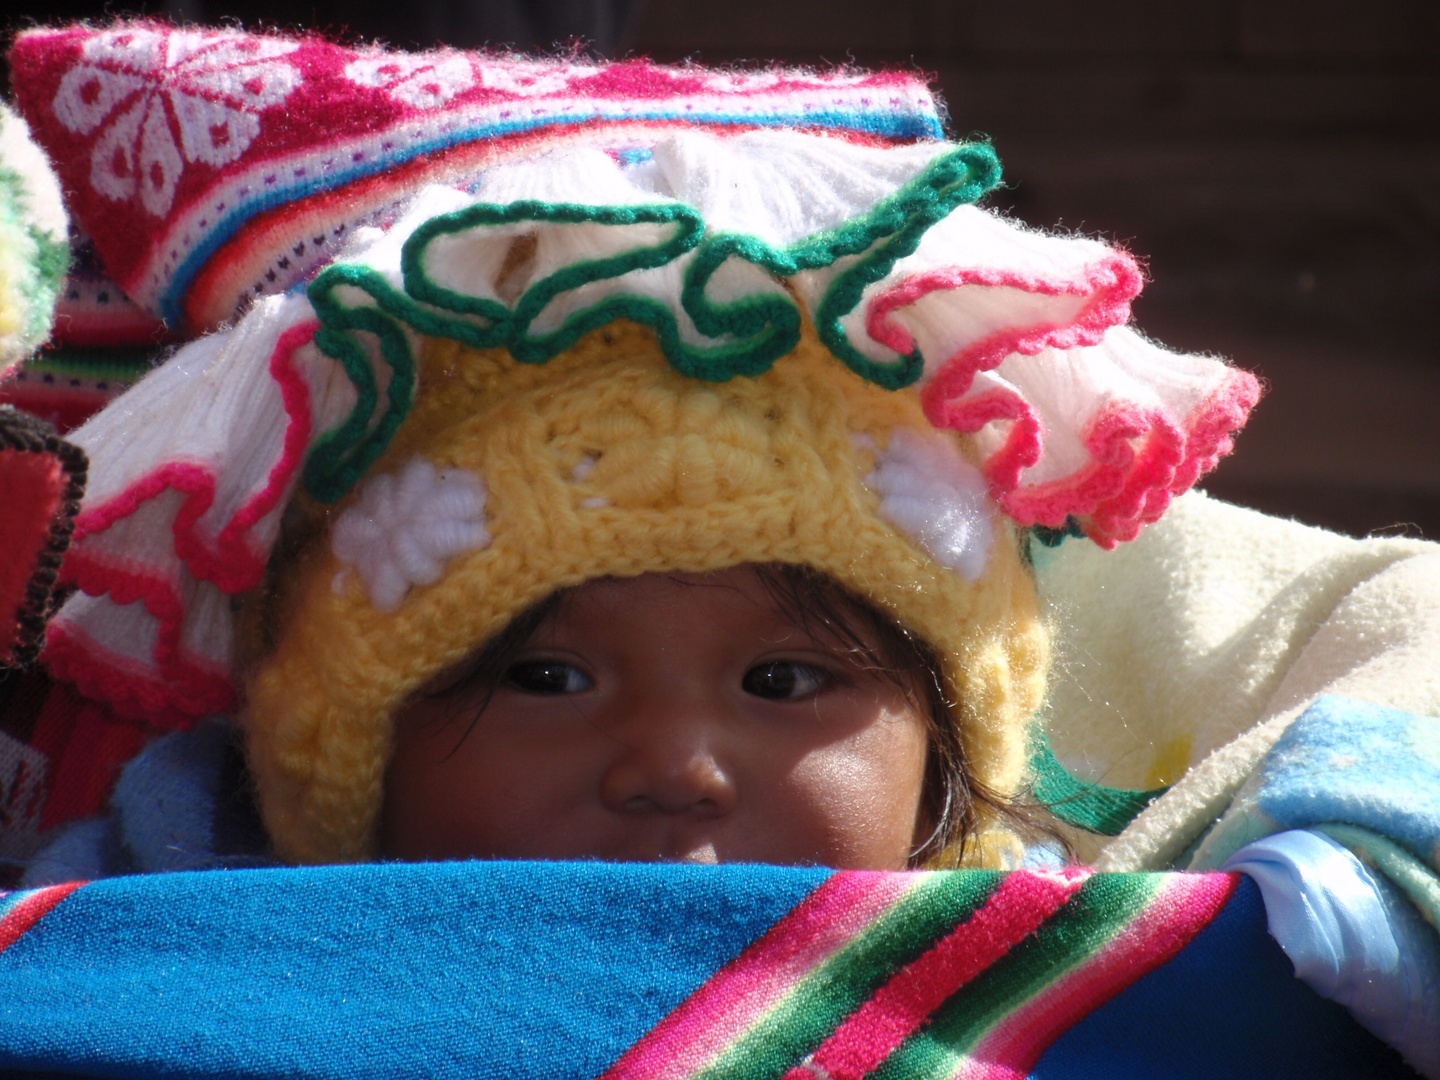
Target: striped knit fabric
x: 214, y: 166
x: 66, y: 386
x: 556, y: 970
x: 935, y: 975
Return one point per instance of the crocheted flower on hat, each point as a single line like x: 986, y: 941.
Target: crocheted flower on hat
x: 937, y: 498
x: 405, y: 529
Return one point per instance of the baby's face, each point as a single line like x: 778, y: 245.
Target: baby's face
x: 665, y: 718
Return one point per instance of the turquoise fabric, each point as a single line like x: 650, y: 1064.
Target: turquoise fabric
x: 543, y: 970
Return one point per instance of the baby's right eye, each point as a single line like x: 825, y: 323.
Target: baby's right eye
x: 786, y: 680
x: 547, y: 677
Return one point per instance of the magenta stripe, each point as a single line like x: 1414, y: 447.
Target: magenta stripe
x: 1022, y: 903
x: 754, y: 982
x: 25, y: 909
x: 1181, y: 908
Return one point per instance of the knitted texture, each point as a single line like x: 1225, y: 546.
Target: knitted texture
x: 33, y: 252
x: 1012, y: 336
x: 212, y: 167
x: 66, y: 386
x: 41, y: 480
x: 92, y: 311
x: 190, y: 483
x: 606, y: 461
x: 567, y: 970
x: 978, y: 364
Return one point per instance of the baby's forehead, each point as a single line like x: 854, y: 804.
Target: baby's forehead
x: 742, y: 600
x: 738, y: 592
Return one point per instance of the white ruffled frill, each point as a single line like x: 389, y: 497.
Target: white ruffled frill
x: 723, y: 244
x: 189, y: 474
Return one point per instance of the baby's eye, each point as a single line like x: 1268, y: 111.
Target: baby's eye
x: 785, y: 680
x: 547, y: 677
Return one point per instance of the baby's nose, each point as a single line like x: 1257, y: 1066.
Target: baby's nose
x: 668, y: 767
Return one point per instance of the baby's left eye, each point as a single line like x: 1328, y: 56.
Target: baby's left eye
x: 548, y: 677
x: 785, y: 680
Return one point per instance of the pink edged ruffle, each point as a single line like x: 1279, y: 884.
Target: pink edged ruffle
x: 1107, y: 433
x: 192, y: 471
x: 1076, y: 415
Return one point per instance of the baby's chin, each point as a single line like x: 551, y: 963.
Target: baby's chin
x: 699, y: 853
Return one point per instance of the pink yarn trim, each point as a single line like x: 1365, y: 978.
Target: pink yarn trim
x: 1128, y: 486
x: 181, y: 687
x: 1186, y: 904
x: 1124, y: 488
x: 1110, y: 283
x: 744, y: 990
x: 189, y: 689
x: 1022, y: 903
x: 233, y: 562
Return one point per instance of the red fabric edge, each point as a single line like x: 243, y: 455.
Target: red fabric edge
x: 30, y: 909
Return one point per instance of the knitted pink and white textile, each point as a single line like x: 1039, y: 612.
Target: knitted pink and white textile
x: 215, y: 166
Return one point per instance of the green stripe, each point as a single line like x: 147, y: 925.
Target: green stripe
x: 1093, y: 916
x: 98, y: 364
x: 1100, y: 809
x: 808, y: 1016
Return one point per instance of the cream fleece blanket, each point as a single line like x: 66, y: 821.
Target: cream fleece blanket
x: 1183, y: 656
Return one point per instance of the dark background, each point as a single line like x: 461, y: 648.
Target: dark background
x: 1276, y: 161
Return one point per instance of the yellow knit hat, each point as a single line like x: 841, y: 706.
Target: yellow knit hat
x: 606, y: 461
x: 680, y: 351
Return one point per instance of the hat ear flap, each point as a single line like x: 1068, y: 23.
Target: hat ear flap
x: 190, y: 473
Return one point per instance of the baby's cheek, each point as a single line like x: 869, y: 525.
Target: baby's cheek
x: 860, y: 799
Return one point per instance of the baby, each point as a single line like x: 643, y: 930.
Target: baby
x: 652, y: 512
x: 689, y: 628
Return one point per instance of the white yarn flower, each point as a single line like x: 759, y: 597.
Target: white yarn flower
x: 215, y: 84
x: 426, y: 81
x: 532, y: 78
x: 938, y: 499
x: 403, y: 530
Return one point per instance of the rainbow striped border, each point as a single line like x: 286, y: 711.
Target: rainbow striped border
x: 932, y: 976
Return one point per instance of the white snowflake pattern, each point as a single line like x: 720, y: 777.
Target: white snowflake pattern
x: 422, y: 82
x: 404, y: 529
x: 532, y: 78
x: 936, y: 497
x: 143, y: 85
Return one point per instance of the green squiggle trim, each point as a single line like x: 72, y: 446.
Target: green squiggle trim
x: 339, y: 457
x: 954, y: 180
x: 751, y: 333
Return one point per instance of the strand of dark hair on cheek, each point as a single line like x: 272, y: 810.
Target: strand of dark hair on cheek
x: 953, y: 794
x: 470, y: 696
x: 823, y: 607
